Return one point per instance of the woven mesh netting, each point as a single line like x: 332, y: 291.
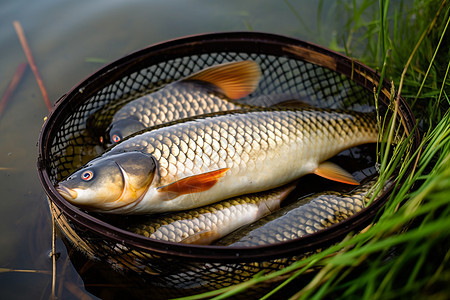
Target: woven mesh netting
x: 294, y: 69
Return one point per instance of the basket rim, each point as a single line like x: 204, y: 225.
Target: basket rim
x: 214, y: 253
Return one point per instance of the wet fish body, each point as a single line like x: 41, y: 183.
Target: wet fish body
x: 202, y: 160
x: 205, y: 224
x: 213, y: 89
x: 303, y: 217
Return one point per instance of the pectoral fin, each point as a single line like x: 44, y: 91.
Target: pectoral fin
x: 235, y: 79
x: 192, y: 184
x: 332, y: 171
x: 273, y: 203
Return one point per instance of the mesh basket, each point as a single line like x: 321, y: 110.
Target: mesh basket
x: 313, y: 74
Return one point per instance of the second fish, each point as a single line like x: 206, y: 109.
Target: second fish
x: 213, y: 89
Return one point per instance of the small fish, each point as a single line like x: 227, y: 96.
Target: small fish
x: 208, y: 223
x: 306, y: 216
x: 210, y: 90
x: 205, y: 159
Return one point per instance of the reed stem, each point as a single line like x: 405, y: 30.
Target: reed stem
x: 33, y: 66
x: 12, y: 86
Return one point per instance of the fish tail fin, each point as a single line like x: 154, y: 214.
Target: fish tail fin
x: 235, y: 79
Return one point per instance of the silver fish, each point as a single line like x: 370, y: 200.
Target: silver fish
x: 211, y: 90
x: 206, y: 224
x: 303, y: 217
x: 202, y: 160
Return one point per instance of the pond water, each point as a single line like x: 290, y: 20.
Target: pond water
x: 70, y: 40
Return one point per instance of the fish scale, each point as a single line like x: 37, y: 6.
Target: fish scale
x: 215, y: 88
x: 170, y: 104
x: 306, y: 216
x: 291, y: 143
x: 200, y: 160
x: 205, y: 224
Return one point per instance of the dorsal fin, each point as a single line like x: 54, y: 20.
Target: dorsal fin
x: 235, y: 79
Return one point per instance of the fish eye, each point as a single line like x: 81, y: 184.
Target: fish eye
x: 116, y: 138
x: 87, y: 175
x: 101, y: 140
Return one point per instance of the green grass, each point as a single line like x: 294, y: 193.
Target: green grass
x: 405, y: 254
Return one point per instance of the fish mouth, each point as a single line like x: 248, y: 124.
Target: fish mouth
x: 68, y: 194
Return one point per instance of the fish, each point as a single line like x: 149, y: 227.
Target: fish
x: 206, y: 224
x: 302, y: 217
x: 205, y: 159
x: 210, y: 90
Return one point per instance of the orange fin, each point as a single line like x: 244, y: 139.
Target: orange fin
x: 235, y: 79
x: 332, y: 171
x: 192, y: 184
x: 202, y: 238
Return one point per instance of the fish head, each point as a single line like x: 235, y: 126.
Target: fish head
x: 110, y: 182
x: 120, y: 129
